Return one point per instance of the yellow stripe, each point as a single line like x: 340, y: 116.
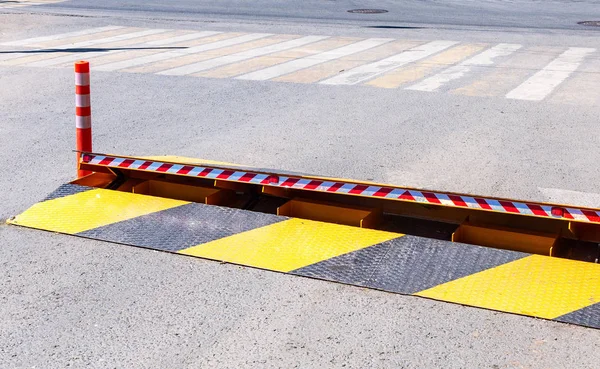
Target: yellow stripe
x: 277, y: 58
x: 183, y: 60
x: 429, y: 66
x: 129, y: 54
x: 51, y: 55
x: 537, y: 285
x: 329, y: 69
x: 91, y: 209
x: 90, y: 37
x: 289, y: 245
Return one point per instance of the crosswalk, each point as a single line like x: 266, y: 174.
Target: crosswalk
x: 9, y: 4
x: 507, y: 70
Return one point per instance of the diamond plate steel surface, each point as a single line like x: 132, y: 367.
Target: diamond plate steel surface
x: 409, y: 264
x: 536, y: 285
x: 353, y: 268
x: 551, y: 288
x: 182, y: 227
x: 413, y: 264
x: 588, y: 316
x: 66, y: 190
x: 290, y: 245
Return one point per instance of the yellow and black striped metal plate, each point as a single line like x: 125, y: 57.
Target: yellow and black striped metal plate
x: 515, y: 282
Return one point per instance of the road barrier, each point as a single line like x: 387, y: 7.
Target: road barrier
x: 83, y: 112
x: 522, y: 257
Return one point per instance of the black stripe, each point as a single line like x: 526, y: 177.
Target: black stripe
x: 588, y: 316
x: 182, y: 227
x: 66, y: 190
x: 409, y: 264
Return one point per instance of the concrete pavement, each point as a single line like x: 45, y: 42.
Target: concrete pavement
x: 68, y: 301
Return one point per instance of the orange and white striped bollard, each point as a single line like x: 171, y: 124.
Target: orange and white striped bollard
x: 83, y: 112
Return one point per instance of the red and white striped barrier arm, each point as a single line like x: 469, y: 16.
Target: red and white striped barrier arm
x: 356, y: 189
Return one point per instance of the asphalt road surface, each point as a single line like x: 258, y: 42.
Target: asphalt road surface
x: 500, y: 98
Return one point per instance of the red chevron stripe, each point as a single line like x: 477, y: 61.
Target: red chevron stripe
x: 383, y: 192
x: 185, y: 170
x: 537, y: 210
x: 458, y: 201
x: 358, y: 189
x: 483, y: 203
x: 431, y: 197
x: 313, y: 185
x: 335, y: 187
x: 509, y: 206
x: 406, y: 196
x: 591, y: 215
x: 126, y: 163
x: 106, y: 161
x: 247, y: 177
x: 225, y: 174
x: 164, y: 167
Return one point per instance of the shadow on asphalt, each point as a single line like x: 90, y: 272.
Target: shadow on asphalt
x: 87, y: 50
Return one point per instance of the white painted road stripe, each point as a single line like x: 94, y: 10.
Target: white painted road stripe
x: 61, y: 36
x: 126, y: 36
x: 309, y: 61
x: 176, y: 39
x: 88, y: 55
x: 176, y: 53
x: 458, y: 71
x: 541, y: 84
x: 81, y: 44
x: 241, y: 56
x: 368, y: 71
x: 77, y: 56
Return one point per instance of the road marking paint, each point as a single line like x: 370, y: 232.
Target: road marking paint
x: 137, y: 48
x: 335, y: 67
x: 87, y: 40
x: 213, y: 54
x: 68, y: 49
x: 66, y: 44
x: 582, y: 87
x: 510, y: 73
x: 176, y: 53
x: 182, y: 60
x: 290, y: 244
x: 372, y: 70
x: 486, y: 58
x: 61, y: 36
x: 118, y: 47
x: 309, y: 61
x: 281, y: 57
x: 244, y: 55
x: 541, y: 84
x: 24, y: 3
x: 419, y: 70
x: 105, y: 45
x: 185, y: 37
